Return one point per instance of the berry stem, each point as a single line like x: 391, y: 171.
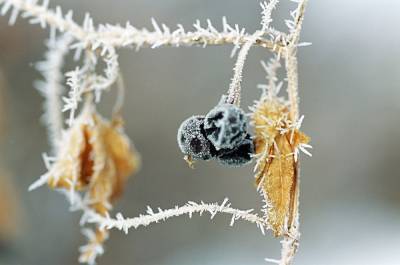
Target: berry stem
x: 234, y: 91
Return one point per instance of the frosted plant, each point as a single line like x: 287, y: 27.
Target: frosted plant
x: 91, y: 157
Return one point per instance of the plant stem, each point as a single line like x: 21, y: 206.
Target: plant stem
x: 188, y: 209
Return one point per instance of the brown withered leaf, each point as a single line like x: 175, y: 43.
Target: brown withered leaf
x: 113, y: 159
x: 95, y: 155
x: 73, y: 166
x: 277, y: 169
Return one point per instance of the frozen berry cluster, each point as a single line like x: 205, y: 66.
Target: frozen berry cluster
x: 221, y: 134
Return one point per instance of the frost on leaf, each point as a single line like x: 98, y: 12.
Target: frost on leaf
x: 277, y: 140
x: 95, y: 156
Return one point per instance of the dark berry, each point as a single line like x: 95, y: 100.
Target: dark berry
x: 239, y: 156
x: 192, y: 140
x: 225, y: 126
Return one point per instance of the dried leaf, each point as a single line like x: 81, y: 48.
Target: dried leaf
x: 277, y: 140
x: 95, y: 157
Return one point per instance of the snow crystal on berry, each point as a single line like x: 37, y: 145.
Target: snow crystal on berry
x: 225, y: 126
x: 192, y: 140
x: 239, y: 156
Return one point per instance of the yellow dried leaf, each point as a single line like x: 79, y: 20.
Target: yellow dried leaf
x: 276, y: 142
x: 72, y: 166
x: 114, y: 160
x: 95, y: 155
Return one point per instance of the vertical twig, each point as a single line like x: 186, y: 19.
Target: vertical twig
x: 291, y: 61
x: 51, y: 87
x: 235, y: 87
x: 293, y: 82
x: 290, y: 241
x: 119, y: 102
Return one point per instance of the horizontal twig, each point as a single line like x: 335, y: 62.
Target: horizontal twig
x: 190, y: 208
x: 118, y: 36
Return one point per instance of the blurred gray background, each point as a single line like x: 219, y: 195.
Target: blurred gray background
x: 350, y: 96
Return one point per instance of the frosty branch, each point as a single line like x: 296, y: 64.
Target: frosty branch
x: 189, y: 209
x: 52, y: 87
x: 117, y: 36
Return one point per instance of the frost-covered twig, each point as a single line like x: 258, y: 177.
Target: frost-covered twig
x: 84, y: 79
x: 234, y: 91
x: 266, y: 13
x: 290, y: 241
x: 42, y: 15
x: 95, y: 238
x: 94, y: 247
x: 119, y: 102
x: 189, y: 209
x: 118, y: 36
x: 103, y: 223
x: 272, y: 88
x: 292, y: 79
x: 51, y: 87
x: 291, y: 57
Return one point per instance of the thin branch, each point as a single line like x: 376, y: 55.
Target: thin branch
x: 234, y: 91
x: 298, y: 15
x: 77, y: 203
x: 293, y: 82
x: 290, y: 241
x: 84, y: 79
x: 42, y: 15
x: 119, y: 102
x: 267, y: 9
x: 272, y: 88
x: 190, y: 208
x: 291, y: 59
x: 117, y: 36
x: 290, y: 245
x: 51, y: 87
x: 94, y: 247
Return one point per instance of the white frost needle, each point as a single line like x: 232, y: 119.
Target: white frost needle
x: 275, y: 261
